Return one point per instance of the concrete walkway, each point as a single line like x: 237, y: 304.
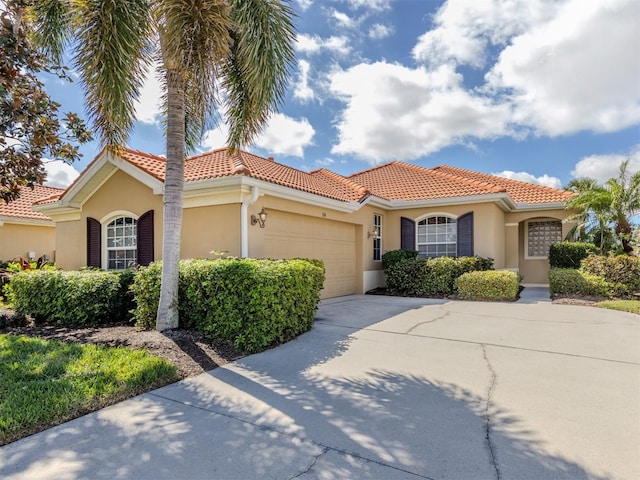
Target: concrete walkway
x: 382, y: 388
x: 534, y: 295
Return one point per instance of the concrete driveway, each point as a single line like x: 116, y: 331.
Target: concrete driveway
x: 382, y: 388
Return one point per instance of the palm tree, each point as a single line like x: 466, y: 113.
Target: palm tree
x: 625, y: 203
x: 598, y: 207
x: 591, y: 203
x: 231, y: 54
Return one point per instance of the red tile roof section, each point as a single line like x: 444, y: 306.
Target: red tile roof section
x: 402, y: 181
x: 520, y: 192
x: 220, y: 163
x: 21, y: 208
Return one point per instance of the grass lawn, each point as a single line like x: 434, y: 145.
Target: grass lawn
x: 632, y: 306
x: 46, y: 382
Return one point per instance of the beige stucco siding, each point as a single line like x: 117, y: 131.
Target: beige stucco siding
x: 535, y: 271
x: 120, y: 195
x: 205, y: 229
x: 16, y: 240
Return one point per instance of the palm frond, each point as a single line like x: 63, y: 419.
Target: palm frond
x: 197, y: 42
x: 255, y: 77
x: 112, y: 54
x: 52, y: 23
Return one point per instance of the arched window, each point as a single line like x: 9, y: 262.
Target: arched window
x: 122, y: 243
x: 437, y: 236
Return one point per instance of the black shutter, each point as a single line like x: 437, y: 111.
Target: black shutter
x: 465, y: 235
x: 407, y: 234
x: 94, y: 243
x: 145, y: 238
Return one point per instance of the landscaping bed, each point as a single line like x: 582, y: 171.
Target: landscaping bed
x: 190, y: 352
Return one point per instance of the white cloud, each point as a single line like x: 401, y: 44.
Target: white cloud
x: 148, y: 106
x: 59, y: 173
x: 304, y: 4
x: 463, y: 29
x: 377, y: 5
x: 575, y: 72
x: 604, y: 167
x: 394, y: 112
x: 302, y: 91
x: 287, y: 136
x: 379, y: 31
x: 216, y: 137
x: 562, y: 66
x: 546, y: 180
x: 312, y: 44
x: 343, y: 19
x: 283, y: 135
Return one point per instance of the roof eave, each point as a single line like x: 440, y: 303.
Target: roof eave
x: 503, y: 200
x: 520, y: 207
x: 25, y: 221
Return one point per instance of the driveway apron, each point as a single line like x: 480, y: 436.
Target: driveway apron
x: 382, y: 387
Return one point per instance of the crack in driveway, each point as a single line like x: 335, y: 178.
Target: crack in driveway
x: 487, y: 412
x: 444, y: 315
x: 313, y: 463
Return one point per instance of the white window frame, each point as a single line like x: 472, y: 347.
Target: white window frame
x: 454, y: 218
x: 527, y: 224
x: 377, y: 239
x: 105, y: 221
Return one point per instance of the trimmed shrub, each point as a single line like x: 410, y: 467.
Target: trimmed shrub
x: 71, y: 298
x: 488, y: 285
x: 569, y: 254
x: 622, y: 269
x: 568, y: 281
x: 394, y: 256
x: 431, y: 276
x: 256, y: 304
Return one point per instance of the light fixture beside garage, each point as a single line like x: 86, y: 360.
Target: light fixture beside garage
x: 374, y: 233
x: 261, y: 218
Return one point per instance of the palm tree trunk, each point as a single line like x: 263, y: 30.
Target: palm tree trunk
x: 173, y: 199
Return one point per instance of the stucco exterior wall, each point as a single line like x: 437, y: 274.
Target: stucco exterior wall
x: 205, y: 229
x: 535, y: 271
x: 17, y: 240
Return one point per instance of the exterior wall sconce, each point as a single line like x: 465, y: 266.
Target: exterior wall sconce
x: 261, y: 218
x: 375, y: 233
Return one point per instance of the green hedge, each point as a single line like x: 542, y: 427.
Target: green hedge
x: 488, y: 285
x: 568, y: 281
x: 256, y: 304
x: 624, y: 269
x: 394, y: 256
x: 72, y: 298
x: 431, y: 276
x: 569, y: 254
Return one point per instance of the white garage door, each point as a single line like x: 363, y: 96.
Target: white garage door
x: 298, y: 236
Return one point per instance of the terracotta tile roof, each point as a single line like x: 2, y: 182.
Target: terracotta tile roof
x: 21, y: 208
x: 220, y: 163
x: 520, y: 192
x: 402, y: 181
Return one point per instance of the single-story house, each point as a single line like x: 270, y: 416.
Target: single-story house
x: 111, y: 216
x: 25, y: 233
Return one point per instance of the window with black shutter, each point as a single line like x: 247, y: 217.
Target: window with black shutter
x: 145, y: 238
x: 94, y: 243
x: 465, y: 235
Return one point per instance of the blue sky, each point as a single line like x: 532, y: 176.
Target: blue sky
x: 537, y: 90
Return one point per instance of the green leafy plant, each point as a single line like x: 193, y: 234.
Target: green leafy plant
x: 623, y: 269
x: 431, y: 276
x: 568, y: 281
x: 394, y: 256
x: 71, y: 298
x: 488, y: 285
x: 570, y: 254
x: 256, y: 304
